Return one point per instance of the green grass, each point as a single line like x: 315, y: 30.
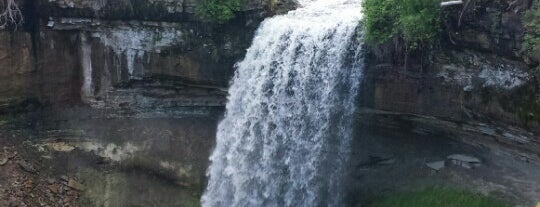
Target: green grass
x: 438, y: 197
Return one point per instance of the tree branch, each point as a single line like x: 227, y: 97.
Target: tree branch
x: 451, y: 3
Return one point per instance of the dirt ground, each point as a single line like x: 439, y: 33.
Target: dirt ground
x: 26, y: 181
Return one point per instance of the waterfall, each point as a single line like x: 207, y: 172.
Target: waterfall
x: 87, y: 90
x: 287, y: 130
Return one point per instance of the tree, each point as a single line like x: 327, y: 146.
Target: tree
x: 414, y: 24
x: 381, y: 17
x: 417, y: 22
x: 10, y: 13
x: 531, y: 43
x: 219, y: 11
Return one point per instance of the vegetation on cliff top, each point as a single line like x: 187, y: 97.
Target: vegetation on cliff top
x: 219, y: 11
x: 531, y: 47
x: 416, y: 22
x: 531, y: 19
x: 439, y: 197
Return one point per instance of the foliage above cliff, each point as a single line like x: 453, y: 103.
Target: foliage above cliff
x: 380, y: 19
x: 219, y: 10
x: 531, y: 45
x: 417, y: 22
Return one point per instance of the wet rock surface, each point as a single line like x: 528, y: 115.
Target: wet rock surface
x: 424, y: 158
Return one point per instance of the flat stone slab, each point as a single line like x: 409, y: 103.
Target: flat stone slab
x: 464, y: 158
x: 437, y: 166
x: 465, y: 161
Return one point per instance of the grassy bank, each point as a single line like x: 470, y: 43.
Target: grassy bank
x: 438, y: 197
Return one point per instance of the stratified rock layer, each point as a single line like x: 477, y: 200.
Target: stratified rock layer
x: 77, y: 51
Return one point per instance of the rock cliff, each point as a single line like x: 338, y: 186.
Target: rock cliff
x: 477, y: 78
x: 122, y: 96
x: 80, y: 51
x: 145, y: 82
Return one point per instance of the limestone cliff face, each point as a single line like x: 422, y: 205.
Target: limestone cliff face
x: 81, y: 51
x: 135, y: 86
x: 477, y: 76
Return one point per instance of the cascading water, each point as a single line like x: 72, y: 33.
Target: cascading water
x: 287, y: 130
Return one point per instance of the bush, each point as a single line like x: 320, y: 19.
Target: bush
x: 417, y: 22
x: 219, y: 11
x: 381, y: 17
x: 531, y: 43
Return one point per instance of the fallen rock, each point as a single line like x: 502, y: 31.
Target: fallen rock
x: 6, y: 156
x: 437, y: 166
x: 54, y: 188
x: 61, y: 147
x: 3, y: 161
x: 72, y: 183
x: 26, y: 166
x: 465, y: 161
x: 464, y: 158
